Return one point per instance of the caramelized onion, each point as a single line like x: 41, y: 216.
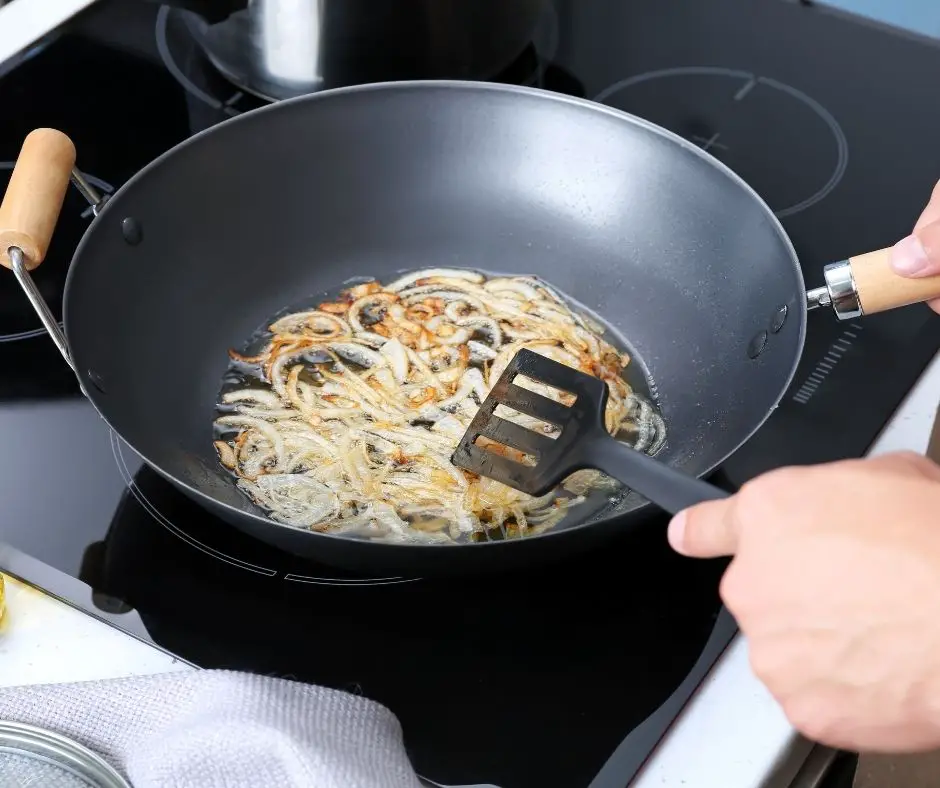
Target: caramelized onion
x: 359, y: 405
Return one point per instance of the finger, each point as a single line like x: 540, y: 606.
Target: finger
x: 931, y: 213
x: 918, y: 254
x: 906, y: 464
x: 929, y: 236
x: 708, y: 530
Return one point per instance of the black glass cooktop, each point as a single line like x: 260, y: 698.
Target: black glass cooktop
x: 553, y: 677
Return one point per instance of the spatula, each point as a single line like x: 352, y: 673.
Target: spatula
x: 583, y: 441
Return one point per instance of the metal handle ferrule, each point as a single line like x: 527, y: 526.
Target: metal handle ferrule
x: 840, y: 292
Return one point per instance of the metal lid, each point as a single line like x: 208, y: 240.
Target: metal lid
x: 34, y: 756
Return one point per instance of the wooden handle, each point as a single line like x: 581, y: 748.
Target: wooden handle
x: 32, y: 202
x: 880, y: 289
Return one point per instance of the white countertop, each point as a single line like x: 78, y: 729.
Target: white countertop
x: 43, y: 640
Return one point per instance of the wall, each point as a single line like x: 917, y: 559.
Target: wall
x: 922, y: 16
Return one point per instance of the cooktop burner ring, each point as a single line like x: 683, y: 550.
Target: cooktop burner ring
x: 14, y: 336
x: 117, y: 449
x: 750, y: 81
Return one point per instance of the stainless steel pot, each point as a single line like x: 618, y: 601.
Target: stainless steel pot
x: 284, y: 48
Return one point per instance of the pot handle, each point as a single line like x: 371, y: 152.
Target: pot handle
x: 866, y: 284
x: 30, y: 210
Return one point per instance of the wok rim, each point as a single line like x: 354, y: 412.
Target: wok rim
x: 199, y: 496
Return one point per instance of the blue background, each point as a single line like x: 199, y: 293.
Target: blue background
x: 922, y: 16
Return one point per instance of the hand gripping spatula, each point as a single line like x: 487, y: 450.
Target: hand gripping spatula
x: 582, y: 443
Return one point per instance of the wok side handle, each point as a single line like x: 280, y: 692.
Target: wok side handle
x: 30, y: 210
x: 866, y: 284
x: 33, y: 200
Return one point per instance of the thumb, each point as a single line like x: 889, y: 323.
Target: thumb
x: 708, y: 530
x: 918, y: 254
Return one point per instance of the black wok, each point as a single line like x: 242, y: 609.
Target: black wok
x: 211, y: 239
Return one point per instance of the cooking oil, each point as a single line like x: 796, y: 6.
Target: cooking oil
x: 605, y: 500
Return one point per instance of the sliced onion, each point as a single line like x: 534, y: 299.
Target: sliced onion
x: 314, y: 324
x: 394, y: 351
x: 358, y: 450
x: 269, y: 431
x: 295, y: 499
x: 357, y: 307
x: 447, y: 296
x: 480, y: 353
x: 484, y: 325
x: 448, y: 273
x: 515, y: 286
x: 261, y: 396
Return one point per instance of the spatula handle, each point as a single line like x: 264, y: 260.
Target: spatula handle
x: 668, y: 488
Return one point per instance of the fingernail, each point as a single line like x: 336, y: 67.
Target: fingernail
x: 909, y: 258
x: 676, y: 532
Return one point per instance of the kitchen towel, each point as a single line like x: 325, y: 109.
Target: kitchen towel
x: 215, y: 729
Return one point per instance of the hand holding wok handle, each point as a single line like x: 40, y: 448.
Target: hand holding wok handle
x: 866, y: 285
x: 30, y: 210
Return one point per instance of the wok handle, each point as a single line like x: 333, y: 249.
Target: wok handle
x: 880, y: 289
x: 866, y: 284
x: 34, y: 197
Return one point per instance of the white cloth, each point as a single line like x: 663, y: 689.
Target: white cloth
x: 221, y: 729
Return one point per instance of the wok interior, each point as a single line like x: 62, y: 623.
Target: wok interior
x: 292, y: 201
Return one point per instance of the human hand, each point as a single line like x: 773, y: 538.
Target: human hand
x: 835, y: 582
x: 919, y: 254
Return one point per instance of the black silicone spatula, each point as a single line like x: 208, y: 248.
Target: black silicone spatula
x: 583, y: 441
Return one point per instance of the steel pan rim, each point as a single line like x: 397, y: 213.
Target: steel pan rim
x: 62, y: 751
x: 116, y: 199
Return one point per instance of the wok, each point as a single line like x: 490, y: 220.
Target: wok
x: 207, y: 242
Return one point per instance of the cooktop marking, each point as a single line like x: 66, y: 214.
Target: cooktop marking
x: 99, y: 184
x: 827, y: 364
x: 751, y: 82
x: 742, y: 93
x: 117, y: 450
x: 327, y: 581
x: 102, y: 186
x: 711, y: 142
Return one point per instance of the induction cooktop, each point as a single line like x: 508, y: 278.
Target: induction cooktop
x: 565, y: 675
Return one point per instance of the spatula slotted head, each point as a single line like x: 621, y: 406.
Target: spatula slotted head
x: 548, y: 459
